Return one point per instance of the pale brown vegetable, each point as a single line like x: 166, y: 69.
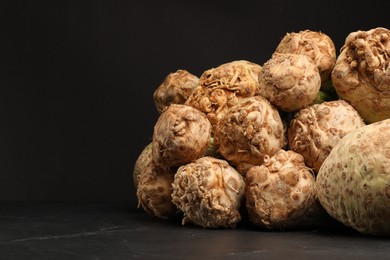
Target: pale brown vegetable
x: 289, y: 81
x: 181, y: 135
x: 250, y: 131
x: 279, y: 192
x: 224, y: 86
x: 316, y: 45
x: 175, y: 89
x: 144, y: 160
x: 154, y: 189
x: 362, y: 73
x: 354, y: 180
x: 209, y: 192
x: 315, y: 130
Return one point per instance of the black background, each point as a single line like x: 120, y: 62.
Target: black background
x: 77, y: 77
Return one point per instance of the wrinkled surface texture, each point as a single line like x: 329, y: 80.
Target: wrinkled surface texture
x: 223, y: 87
x: 154, y: 191
x: 317, y: 46
x: 362, y: 73
x: 290, y: 81
x: 279, y: 192
x: 143, y: 162
x: 250, y: 131
x: 175, y: 89
x: 209, y: 192
x: 181, y: 134
x: 315, y: 130
x: 354, y: 180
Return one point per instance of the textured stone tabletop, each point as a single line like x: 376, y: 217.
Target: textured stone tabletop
x: 120, y: 231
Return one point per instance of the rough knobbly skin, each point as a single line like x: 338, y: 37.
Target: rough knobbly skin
x: 317, y: 46
x: 250, y: 131
x: 362, y: 73
x: 354, y: 179
x: 209, y: 192
x: 154, y: 190
x: 279, y: 192
x: 315, y: 130
x: 181, y: 135
x: 289, y: 81
x: 144, y: 160
x: 175, y: 89
x: 224, y: 86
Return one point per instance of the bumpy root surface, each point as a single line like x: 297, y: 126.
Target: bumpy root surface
x: 224, y: 86
x: 290, y: 81
x: 279, y: 192
x: 315, y: 130
x: 175, y: 89
x: 249, y: 132
x: 209, y: 192
x: 181, y: 135
x: 362, y: 73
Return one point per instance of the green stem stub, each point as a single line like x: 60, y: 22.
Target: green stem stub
x: 323, y: 96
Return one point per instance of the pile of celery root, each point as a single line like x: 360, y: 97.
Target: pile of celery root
x: 303, y: 137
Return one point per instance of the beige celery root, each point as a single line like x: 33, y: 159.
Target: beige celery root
x: 221, y: 141
x: 250, y: 131
x: 354, y: 180
x: 181, y: 135
x: 224, y: 86
x: 279, y: 192
x: 317, y: 46
x: 362, y: 73
x: 289, y: 81
x: 175, y: 89
x: 154, y: 187
x: 144, y: 160
x: 315, y: 130
x: 209, y: 192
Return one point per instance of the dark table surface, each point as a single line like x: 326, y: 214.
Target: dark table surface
x: 120, y: 231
